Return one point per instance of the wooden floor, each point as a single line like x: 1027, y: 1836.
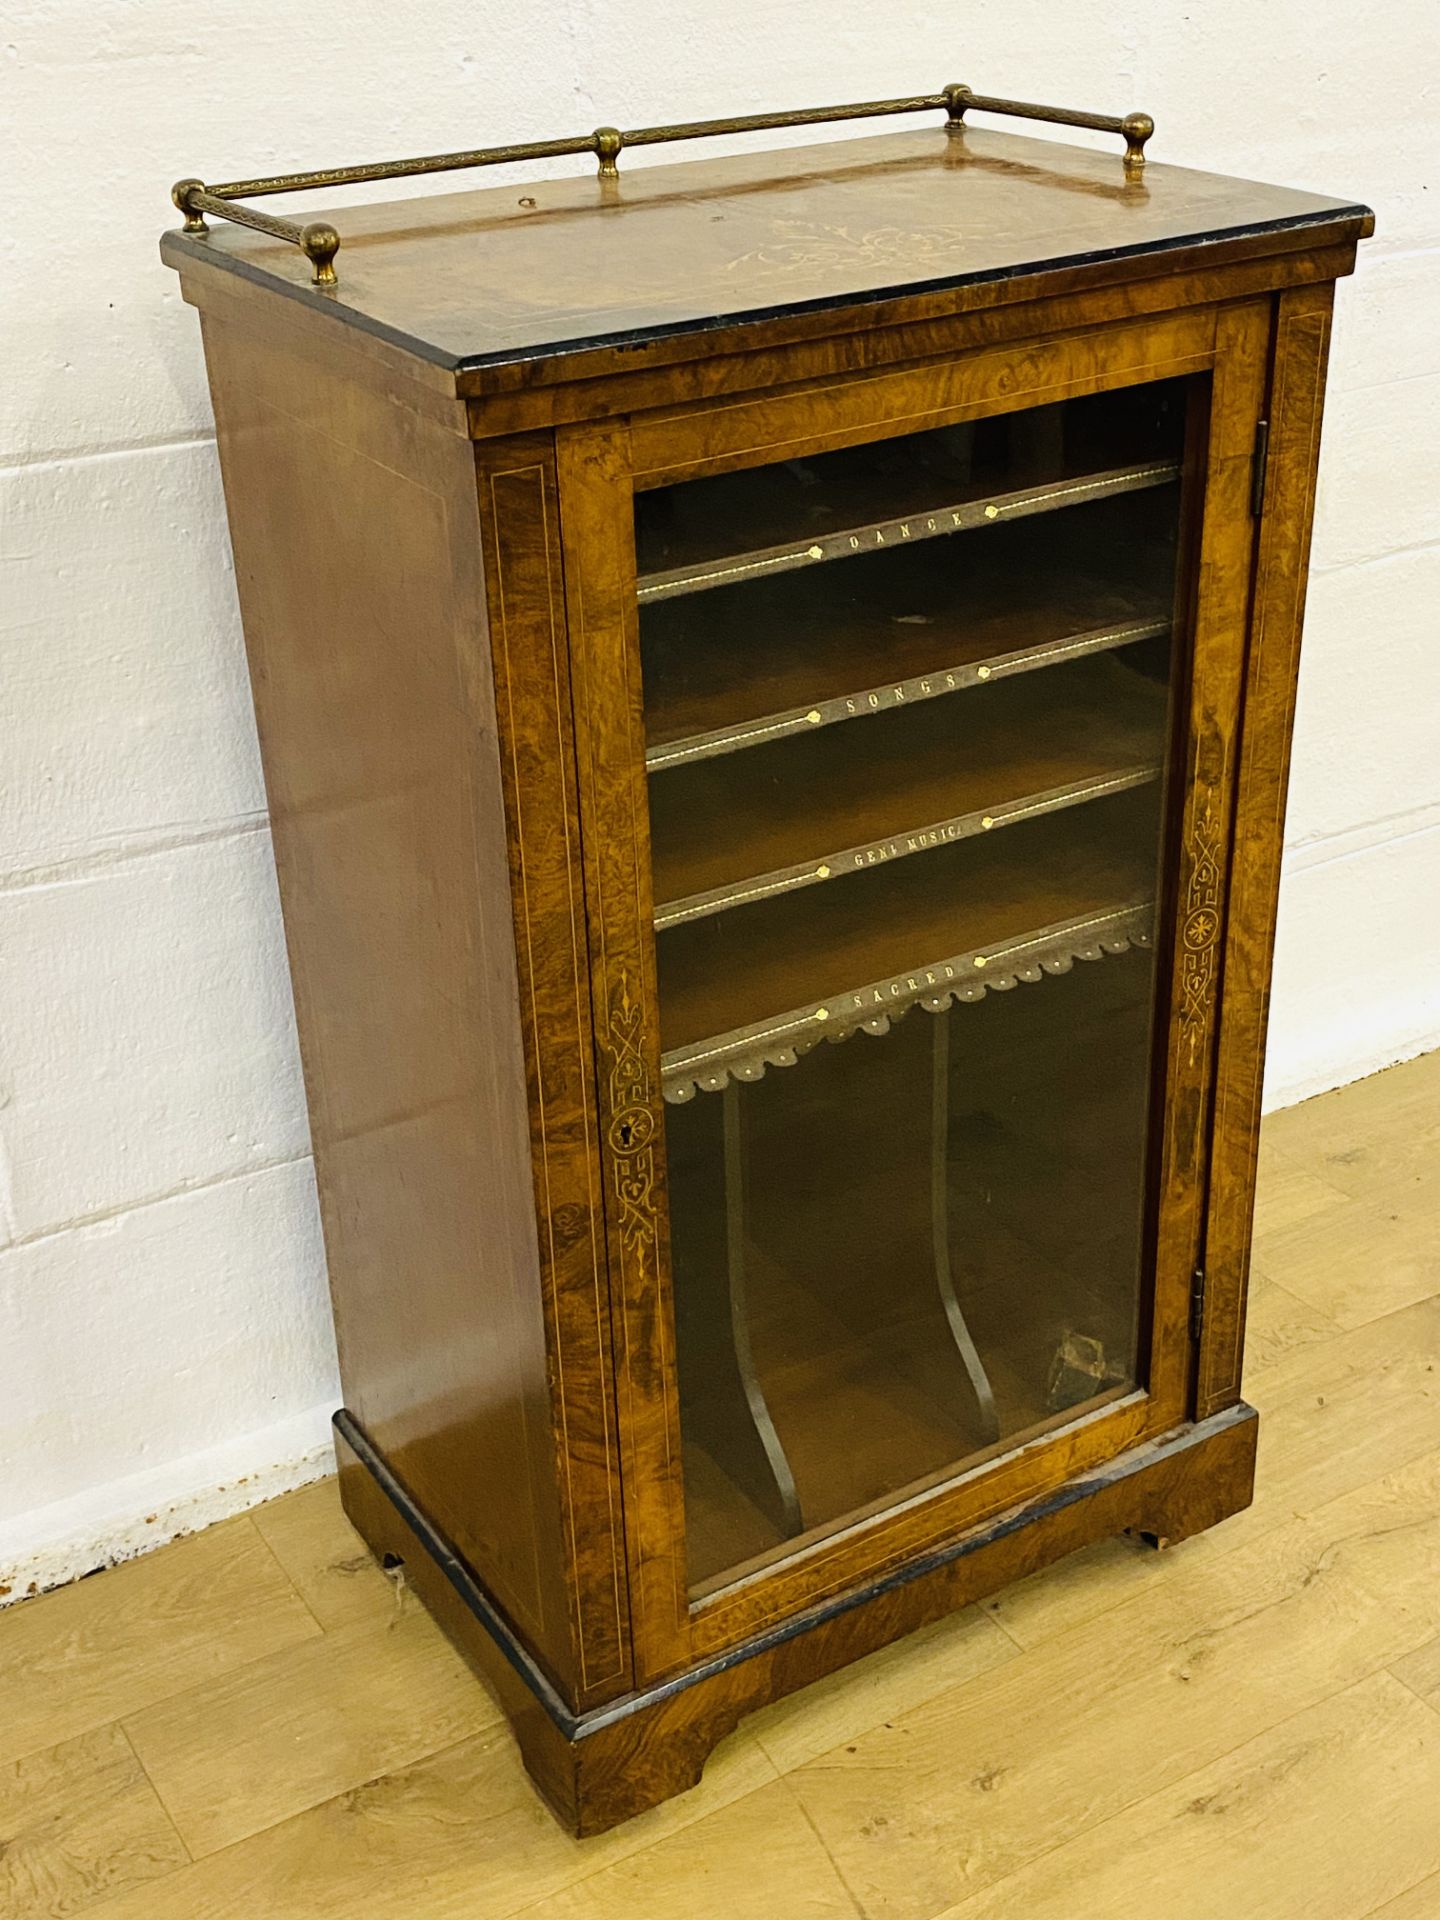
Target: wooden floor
x: 255, y: 1723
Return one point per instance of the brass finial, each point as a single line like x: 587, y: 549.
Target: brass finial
x: 608, y: 142
x: 1137, y: 129
x: 956, y: 99
x: 180, y: 193
x: 322, y: 243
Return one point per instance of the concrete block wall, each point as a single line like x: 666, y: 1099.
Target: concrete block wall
x: 165, y: 1354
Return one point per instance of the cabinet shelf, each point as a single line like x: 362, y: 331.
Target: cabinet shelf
x: 800, y: 813
x: 763, y: 521
x: 848, y: 522
x: 760, y: 987
x: 755, y: 663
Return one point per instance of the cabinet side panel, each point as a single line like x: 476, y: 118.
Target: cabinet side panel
x: 358, y: 562
x: 1302, y: 340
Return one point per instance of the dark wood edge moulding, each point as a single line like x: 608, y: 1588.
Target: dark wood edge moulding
x: 755, y: 359
x: 472, y: 372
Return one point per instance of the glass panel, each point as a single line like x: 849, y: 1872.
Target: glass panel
x: 907, y: 723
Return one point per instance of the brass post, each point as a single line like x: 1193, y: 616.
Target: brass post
x: 956, y: 98
x: 180, y: 193
x: 1137, y: 129
x: 321, y: 242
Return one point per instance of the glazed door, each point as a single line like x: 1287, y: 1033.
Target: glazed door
x: 908, y: 709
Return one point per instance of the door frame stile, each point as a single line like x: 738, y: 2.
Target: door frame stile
x: 1200, y: 861
x: 516, y: 495
x: 1293, y: 408
x: 593, y: 463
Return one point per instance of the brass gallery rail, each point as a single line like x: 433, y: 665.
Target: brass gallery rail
x: 320, y: 242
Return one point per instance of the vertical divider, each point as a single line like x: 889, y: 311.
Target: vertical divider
x: 789, y: 1516
x: 940, y: 1228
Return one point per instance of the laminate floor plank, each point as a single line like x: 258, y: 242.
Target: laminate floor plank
x: 1331, y: 1133
x: 1338, y: 1413
x: 458, y: 1836
x: 756, y: 1860
x: 1420, y: 1671
x: 1377, y: 1140
x: 1357, y: 1259
x: 1420, y: 1902
x: 1277, y: 1323
x: 330, y: 1566
x: 78, y: 1822
x: 1256, y: 1833
x: 1290, y: 1192
x: 281, y: 1734
x: 138, y: 1633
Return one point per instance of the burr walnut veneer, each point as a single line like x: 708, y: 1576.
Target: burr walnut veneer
x: 775, y: 678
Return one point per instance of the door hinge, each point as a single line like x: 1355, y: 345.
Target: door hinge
x: 1259, y: 462
x: 1197, y: 1302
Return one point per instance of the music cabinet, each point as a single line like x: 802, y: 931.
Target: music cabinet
x: 774, y: 676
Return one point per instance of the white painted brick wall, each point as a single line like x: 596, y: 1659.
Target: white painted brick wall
x: 165, y: 1353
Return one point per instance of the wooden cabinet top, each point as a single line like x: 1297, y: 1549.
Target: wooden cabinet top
x: 529, y: 280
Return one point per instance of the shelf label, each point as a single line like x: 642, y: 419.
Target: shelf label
x: 874, y: 853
